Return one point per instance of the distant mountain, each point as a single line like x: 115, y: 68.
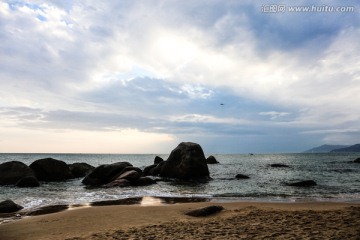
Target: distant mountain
x: 353, y: 148
x: 325, y: 148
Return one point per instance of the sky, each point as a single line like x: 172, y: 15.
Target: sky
x: 140, y: 76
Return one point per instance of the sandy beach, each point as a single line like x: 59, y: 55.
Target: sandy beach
x: 238, y: 220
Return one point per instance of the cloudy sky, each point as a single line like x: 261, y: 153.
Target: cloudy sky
x: 142, y: 76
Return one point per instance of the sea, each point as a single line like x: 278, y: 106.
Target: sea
x: 336, y: 175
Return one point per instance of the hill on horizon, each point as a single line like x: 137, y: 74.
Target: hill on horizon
x: 325, y: 148
x: 352, y: 148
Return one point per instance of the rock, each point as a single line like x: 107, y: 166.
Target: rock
x: 51, y: 170
x: 79, y: 170
x: 241, y: 176
x: 158, y: 160
x: 357, y: 160
x: 29, y: 181
x: 279, y: 165
x: 144, y: 181
x: 156, y: 170
x: 130, y: 168
x: 118, y: 183
x: 186, y: 161
x: 9, y: 206
x: 153, y: 170
x: 125, y: 201
x: 12, y: 172
x: 131, y: 176
x: 211, y: 160
x: 306, y: 183
x: 103, y: 174
x: 47, y: 210
x: 148, y: 168
x: 206, y: 211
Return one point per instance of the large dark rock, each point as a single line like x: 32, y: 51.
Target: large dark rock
x: 211, y: 160
x: 29, y: 181
x: 79, y: 170
x: 104, y: 174
x: 357, y: 160
x: 306, y: 183
x: 51, y: 170
x: 9, y: 206
x: 12, y: 172
x: 186, y: 161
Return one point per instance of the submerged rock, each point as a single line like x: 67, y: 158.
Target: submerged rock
x: 9, y: 206
x: 306, y: 183
x: 12, y: 172
x: 211, y: 160
x: 51, y: 170
x: 241, y: 176
x: 279, y: 165
x: 186, y: 161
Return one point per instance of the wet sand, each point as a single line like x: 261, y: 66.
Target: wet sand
x: 238, y: 220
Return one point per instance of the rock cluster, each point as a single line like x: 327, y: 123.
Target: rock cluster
x: 47, y: 170
x: 120, y: 174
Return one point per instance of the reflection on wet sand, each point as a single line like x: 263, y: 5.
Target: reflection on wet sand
x: 151, y: 201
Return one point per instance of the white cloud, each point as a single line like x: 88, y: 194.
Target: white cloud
x: 85, y: 58
x: 274, y: 115
x: 198, y: 118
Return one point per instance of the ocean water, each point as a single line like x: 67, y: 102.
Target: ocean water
x: 338, y: 179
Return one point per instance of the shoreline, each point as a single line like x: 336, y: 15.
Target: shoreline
x: 157, y: 220
x: 156, y: 201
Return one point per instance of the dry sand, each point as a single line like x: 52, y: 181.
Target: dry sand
x: 241, y: 220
